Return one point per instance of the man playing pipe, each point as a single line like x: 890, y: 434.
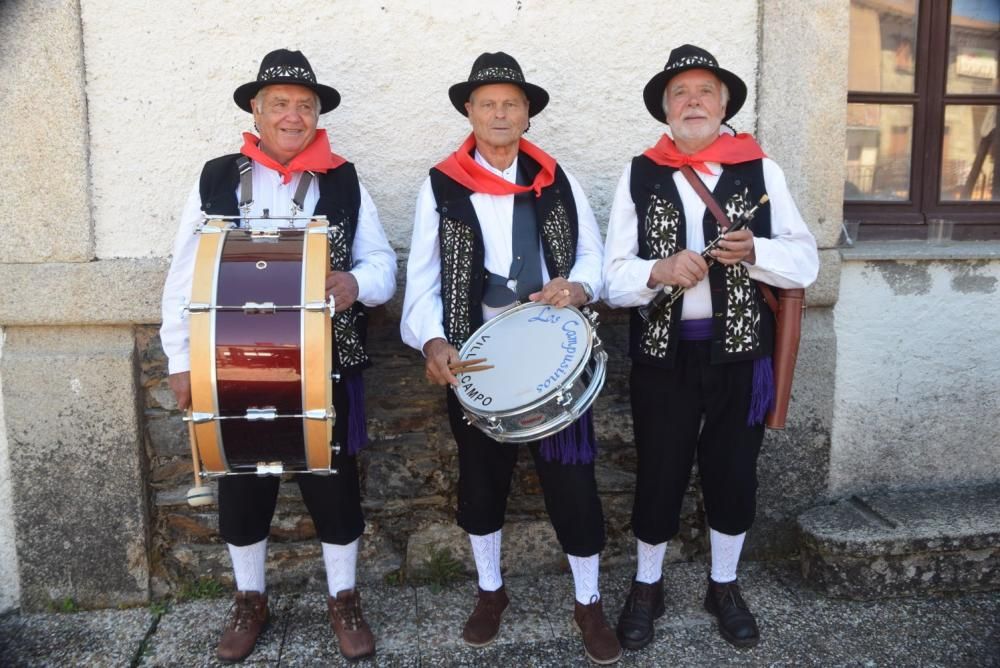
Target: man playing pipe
x: 700, y: 381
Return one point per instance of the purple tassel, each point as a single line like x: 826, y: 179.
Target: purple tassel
x: 357, y: 423
x: 762, y: 397
x: 573, y: 445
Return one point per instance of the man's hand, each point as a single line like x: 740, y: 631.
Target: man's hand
x: 180, y: 384
x: 344, y: 288
x: 440, y: 354
x: 560, y: 293
x: 684, y: 269
x: 735, y: 247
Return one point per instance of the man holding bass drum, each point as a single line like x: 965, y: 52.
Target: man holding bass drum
x: 282, y: 179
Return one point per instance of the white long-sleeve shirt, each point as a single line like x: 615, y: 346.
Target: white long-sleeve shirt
x: 374, y: 265
x: 423, y: 312
x: 787, y: 260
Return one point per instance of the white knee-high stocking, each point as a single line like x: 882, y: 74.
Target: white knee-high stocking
x: 341, y: 563
x: 585, y: 575
x: 248, y: 565
x: 486, y: 552
x: 649, y: 561
x: 725, y: 555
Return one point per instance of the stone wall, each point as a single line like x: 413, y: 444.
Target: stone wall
x: 917, y: 390
x: 10, y: 592
x: 144, y: 96
x: 409, y: 475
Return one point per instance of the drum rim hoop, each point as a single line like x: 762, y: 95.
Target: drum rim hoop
x: 586, y: 359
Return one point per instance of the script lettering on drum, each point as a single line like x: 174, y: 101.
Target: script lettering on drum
x: 566, y: 363
x: 466, y: 382
x: 545, y: 316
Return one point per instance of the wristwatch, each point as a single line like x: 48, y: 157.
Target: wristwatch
x: 587, y: 291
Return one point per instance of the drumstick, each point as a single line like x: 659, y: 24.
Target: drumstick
x: 199, y: 495
x: 458, y: 366
x: 470, y: 369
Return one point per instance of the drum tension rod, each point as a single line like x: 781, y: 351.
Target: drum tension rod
x: 263, y: 308
x: 264, y: 415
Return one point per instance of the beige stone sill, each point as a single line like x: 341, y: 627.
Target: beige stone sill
x: 920, y: 250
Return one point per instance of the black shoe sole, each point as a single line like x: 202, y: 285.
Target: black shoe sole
x: 741, y: 643
x: 634, y: 644
x: 639, y: 644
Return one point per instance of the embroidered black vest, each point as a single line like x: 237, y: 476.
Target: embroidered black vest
x: 742, y: 323
x: 463, y: 262
x: 340, y: 201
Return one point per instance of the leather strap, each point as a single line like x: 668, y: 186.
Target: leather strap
x: 769, y: 297
x: 724, y: 222
x: 706, y: 196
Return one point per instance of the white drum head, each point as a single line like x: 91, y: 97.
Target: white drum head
x: 535, y: 350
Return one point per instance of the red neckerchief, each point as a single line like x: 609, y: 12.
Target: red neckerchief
x: 317, y: 157
x: 463, y: 168
x: 727, y: 150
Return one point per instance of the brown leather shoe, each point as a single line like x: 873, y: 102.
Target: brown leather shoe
x: 353, y: 633
x: 483, y: 624
x: 599, y: 641
x: 248, y: 617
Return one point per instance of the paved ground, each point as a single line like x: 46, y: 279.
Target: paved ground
x: 417, y: 627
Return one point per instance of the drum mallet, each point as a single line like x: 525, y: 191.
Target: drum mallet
x: 199, y: 495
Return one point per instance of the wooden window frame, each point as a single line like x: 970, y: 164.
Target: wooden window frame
x: 907, y: 220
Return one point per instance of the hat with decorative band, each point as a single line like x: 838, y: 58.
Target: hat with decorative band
x: 690, y: 57
x: 497, y: 68
x: 286, y: 67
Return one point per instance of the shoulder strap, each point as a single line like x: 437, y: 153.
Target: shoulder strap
x: 300, y: 192
x: 724, y: 222
x: 245, y: 168
x: 706, y: 197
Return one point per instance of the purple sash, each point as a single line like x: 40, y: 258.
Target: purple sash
x: 357, y: 424
x: 762, y: 395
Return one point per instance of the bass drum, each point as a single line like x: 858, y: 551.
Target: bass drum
x: 261, y: 350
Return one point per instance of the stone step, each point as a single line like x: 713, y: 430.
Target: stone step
x: 904, y: 543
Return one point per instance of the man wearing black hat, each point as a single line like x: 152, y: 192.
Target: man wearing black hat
x: 701, y: 370
x: 499, y: 222
x: 288, y: 169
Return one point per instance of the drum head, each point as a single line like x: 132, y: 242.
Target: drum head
x: 535, y: 350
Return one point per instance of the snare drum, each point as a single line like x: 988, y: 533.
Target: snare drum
x: 261, y: 350
x: 549, y: 367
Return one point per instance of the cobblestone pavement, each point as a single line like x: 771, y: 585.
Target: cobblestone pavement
x: 418, y: 626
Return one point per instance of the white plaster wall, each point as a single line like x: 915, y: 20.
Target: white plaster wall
x: 917, y: 398
x: 10, y: 590
x: 160, y: 78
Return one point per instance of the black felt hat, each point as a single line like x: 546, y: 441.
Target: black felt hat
x: 286, y: 67
x: 496, y: 68
x: 690, y: 57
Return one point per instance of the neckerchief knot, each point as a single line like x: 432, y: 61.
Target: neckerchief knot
x: 726, y: 149
x: 317, y: 157
x: 461, y: 167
